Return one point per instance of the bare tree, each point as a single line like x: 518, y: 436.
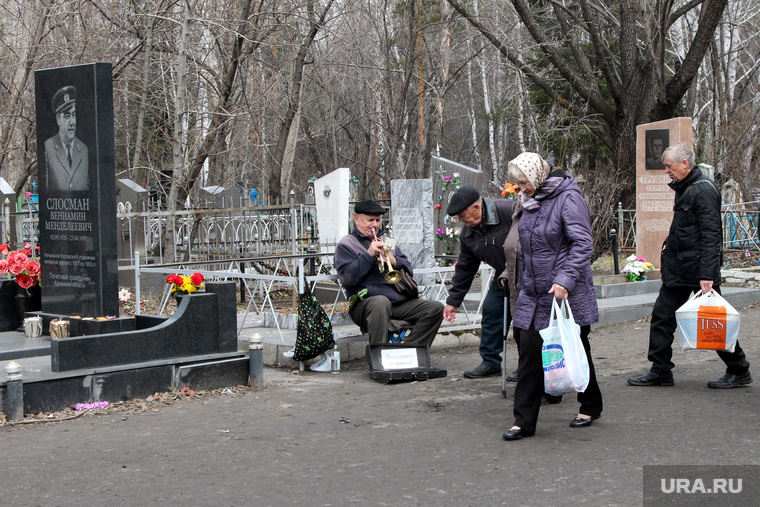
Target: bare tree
x: 280, y: 171
x: 627, y: 51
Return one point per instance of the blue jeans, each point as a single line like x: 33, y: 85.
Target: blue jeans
x: 492, y: 325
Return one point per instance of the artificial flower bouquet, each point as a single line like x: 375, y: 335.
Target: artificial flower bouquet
x: 637, y: 268
x: 510, y: 191
x: 185, y: 284
x: 22, y: 264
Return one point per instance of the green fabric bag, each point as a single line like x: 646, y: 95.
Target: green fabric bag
x: 314, y: 333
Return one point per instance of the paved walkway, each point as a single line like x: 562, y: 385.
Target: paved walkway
x: 612, y: 311
x: 335, y: 440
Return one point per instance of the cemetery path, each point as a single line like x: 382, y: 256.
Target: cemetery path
x: 323, y: 439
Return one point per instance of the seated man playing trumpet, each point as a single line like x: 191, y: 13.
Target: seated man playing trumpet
x: 368, y: 269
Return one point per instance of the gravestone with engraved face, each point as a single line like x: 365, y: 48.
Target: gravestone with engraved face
x: 75, y: 152
x: 412, y: 221
x: 654, y: 198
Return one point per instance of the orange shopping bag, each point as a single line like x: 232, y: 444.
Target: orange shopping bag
x: 708, y: 321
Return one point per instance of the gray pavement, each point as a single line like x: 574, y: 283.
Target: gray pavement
x: 342, y: 439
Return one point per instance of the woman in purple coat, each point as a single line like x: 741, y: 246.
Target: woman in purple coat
x: 555, y: 262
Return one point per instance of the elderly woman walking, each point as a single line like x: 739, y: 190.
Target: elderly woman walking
x: 555, y: 262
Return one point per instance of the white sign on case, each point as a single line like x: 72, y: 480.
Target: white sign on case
x: 399, y: 359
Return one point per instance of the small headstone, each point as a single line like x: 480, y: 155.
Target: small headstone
x: 331, y: 193
x: 210, y: 197
x: 75, y: 152
x: 131, y: 198
x: 448, y: 176
x: 654, y: 198
x: 412, y: 221
x: 6, y: 192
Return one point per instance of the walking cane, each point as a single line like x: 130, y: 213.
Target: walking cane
x: 504, y: 348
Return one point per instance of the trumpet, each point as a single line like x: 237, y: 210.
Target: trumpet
x: 392, y: 276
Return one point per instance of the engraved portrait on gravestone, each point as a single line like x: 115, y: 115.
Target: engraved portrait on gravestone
x: 67, y: 157
x: 656, y: 142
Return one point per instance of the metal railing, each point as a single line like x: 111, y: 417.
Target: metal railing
x: 741, y: 222
x: 289, y: 273
x: 626, y: 228
x: 740, y: 226
x: 211, y: 234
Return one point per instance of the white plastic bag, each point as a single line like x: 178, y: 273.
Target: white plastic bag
x: 707, y: 321
x: 566, y: 368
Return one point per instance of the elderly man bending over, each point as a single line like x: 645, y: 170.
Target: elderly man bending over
x: 373, y: 302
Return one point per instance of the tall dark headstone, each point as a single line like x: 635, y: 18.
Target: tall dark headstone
x: 75, y: 152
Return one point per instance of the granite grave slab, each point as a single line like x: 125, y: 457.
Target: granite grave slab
x: 204, y: 323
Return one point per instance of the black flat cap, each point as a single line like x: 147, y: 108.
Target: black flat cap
x: 368, y: 207
x: 64, y: 99
x: 461, y: 199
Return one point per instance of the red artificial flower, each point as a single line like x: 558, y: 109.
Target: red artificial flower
x: 437, y: 206
x: 175, y: 279
x: 4, y: 249
x: 3, y: 266
x: 17, y: 261
x: 32, y: 267
x: 26, y: 281
x: 196, y: 278
x: 28, y: 249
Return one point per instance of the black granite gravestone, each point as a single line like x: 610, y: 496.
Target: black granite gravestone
x: 77, y: 228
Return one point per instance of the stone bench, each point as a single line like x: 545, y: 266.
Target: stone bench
x: 351, y: 341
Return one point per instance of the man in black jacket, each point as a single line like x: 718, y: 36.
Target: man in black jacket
x: 690, y: 261
x: 486, y: 224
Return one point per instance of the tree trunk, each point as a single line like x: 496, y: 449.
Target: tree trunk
x: 144, y: 92
x: 294, y: 99
x: 19, y: 85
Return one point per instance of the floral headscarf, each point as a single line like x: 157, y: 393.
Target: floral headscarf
x: 535, y: 168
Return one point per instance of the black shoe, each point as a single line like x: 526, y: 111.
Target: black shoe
x: 728, y: 381
x: 548, y: 399
x: 515, y: 434
x: 483, y: 370
x: 652, y: 379
x: 512, y: 377
x: 580, y: 422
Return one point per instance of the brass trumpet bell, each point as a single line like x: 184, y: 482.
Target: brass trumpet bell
x: 392, y: 276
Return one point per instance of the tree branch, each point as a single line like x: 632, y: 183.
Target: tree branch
x: 579, y: 85
x: 712, y: 12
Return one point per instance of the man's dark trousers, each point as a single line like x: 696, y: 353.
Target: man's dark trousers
x: 492, y: 326
x: 663, y: 327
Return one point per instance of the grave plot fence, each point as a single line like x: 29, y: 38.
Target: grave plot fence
x: 213, y: 234
x: 741, y: 222
x: 270, y: 285
x: 233, y: 233
x: 740, y: 226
